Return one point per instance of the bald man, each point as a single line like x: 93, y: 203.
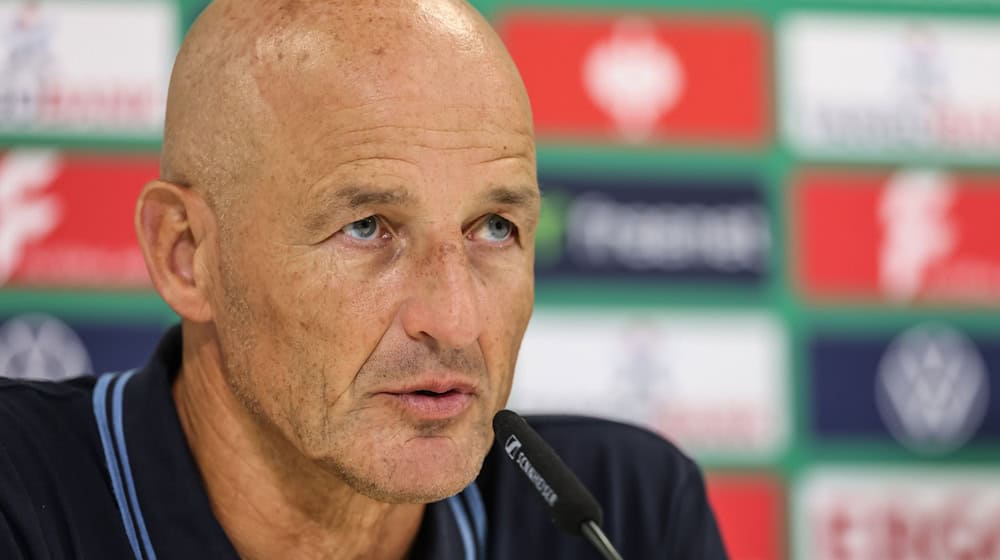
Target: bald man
x: 344, y: 223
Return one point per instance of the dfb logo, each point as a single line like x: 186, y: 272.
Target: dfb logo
x: 906, y: 236
x: 634, y: 77
x: 26, y: 213
x: 915, y: 215
x: 638, y: 77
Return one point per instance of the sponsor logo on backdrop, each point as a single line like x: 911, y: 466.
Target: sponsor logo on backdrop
x: 56, y: 230
x: 928, y: 387
x: 913, y: 235
x: 26, y: 212
x: 41, y: 347
x: 54, y: 59
x: 634, y: 77
x: 639, y: 78
x: 749, y: 509
x: 890, y: 85
x: 713, y: 382
x: 896, y: 514
x: 917, y: 232
x: 931, y: 388
x: 681, y: 231
x: 47, y: 347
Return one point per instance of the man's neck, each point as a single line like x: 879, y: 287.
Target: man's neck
x: 271, y: 501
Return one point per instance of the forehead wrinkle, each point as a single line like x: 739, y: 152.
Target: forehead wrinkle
x: 482, y: 128
x: 336, y: 134
x: 327, y: 188
x: 357, y: 197
x: 403, y: 144
x: 515, y: 156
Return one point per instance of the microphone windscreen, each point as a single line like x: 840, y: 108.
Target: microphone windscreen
x: 569, y: 502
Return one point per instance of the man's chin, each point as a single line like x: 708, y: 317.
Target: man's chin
x: 421, y: 470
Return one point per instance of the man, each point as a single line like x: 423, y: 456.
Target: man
x: 345, y: 226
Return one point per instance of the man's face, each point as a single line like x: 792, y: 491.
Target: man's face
x: 378, y: 277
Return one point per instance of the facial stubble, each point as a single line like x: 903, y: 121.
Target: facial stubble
x: 322, y: 442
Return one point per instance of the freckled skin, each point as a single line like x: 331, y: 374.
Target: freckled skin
x: 293, y: 326
x: 364, y: 311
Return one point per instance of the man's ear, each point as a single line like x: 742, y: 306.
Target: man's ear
x: 173, y: 224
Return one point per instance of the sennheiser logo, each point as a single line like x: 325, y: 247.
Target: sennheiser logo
x: 512, y: 446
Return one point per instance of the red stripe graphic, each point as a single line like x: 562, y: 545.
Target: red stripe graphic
x: 750, y: 513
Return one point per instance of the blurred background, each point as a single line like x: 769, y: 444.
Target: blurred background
x: 770, y: 234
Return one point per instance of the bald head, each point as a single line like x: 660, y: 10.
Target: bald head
x: 255, y: 77
x: 348, y: 207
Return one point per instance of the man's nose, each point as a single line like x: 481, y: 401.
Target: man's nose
x: 444, y: 304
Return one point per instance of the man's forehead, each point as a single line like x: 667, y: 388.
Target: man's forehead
x: 325, y: 83
x: 399, y: 129
x: 320, y: 74
x: 425, y: 74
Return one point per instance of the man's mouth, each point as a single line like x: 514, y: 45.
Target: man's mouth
x: 427, y: 393
x: 438, y: 399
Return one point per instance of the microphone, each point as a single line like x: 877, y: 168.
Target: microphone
x: 571, y: 506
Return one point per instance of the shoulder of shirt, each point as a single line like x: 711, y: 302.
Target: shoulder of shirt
x: 51, y: 466
x: 596, y: 436
x: 39, y: 411
x: 25, y: 395
x: 651, y: 493
x: 609, y: 454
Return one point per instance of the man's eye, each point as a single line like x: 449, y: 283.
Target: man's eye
x: 496, y: 229
x: 365, y: 229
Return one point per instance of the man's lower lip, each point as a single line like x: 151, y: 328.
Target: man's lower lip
x: 428, y: 407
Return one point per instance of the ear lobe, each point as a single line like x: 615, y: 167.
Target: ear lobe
x: 168, y: 224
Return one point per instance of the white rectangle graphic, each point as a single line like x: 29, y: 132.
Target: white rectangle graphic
x: 898, y: 514
x: 96, y: 67
x: 865, y: 85
x: 714, y: 383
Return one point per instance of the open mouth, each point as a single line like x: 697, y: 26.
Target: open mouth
x: 432, y: 405
x: 426, y: 393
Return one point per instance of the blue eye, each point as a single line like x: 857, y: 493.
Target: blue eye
x: 364, y: 229
x: 497, y: 228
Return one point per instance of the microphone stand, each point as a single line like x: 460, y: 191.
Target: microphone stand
x: 592, y: 531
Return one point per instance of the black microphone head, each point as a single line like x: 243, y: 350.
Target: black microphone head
x: 569, y: 502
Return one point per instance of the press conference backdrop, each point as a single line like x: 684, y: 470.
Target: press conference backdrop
x: 769, y: 233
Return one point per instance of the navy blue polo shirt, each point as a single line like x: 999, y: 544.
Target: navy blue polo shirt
x: 98, y: 468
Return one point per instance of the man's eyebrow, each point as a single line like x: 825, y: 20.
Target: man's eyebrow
x: 515, y: 196
x: 526, y: 198
x: 351, y: 198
